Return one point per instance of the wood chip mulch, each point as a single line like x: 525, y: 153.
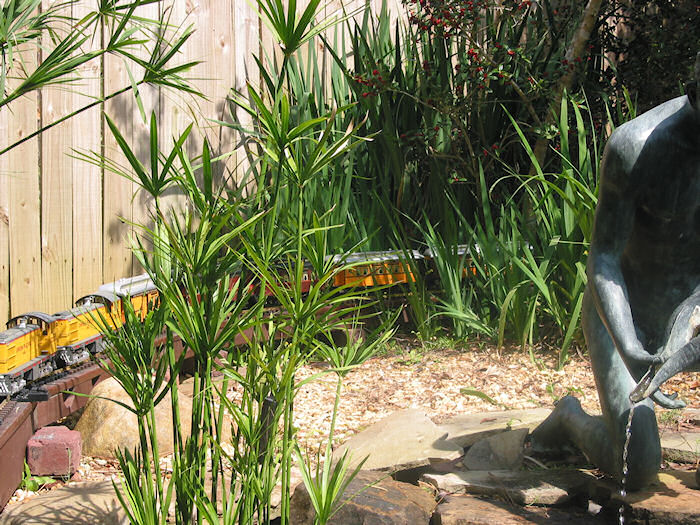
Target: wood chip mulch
x: 430, y: 378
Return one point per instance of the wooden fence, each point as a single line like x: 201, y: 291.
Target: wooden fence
x: 64, y: 224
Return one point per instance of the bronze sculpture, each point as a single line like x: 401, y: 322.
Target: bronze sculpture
x: 644, y: 264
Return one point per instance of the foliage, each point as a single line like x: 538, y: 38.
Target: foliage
x: 70, y: 43
x: 642, y: 41
x: 31, y: 482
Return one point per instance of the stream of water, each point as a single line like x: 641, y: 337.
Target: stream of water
x: 625, y: 466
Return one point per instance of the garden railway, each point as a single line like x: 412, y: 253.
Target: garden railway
x: 45, y: 368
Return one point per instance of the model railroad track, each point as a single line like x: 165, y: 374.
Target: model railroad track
x: 42, y: 403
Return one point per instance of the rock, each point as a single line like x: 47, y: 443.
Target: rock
x: 54, y: 451
x: 295, y: 479
x: 681, y: 446
x: 106, y: 426
x: 90, y: 503
x: 404, y: 440
x: 539, y: 487
x: 673, y: 499
x: 470, y: 510
x: 374, y: 498
x: 465, y: 430
x: 502, y: 451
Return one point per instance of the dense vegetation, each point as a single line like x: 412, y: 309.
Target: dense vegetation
x: 474, y: 123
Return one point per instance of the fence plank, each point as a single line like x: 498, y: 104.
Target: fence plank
x: 118, y: 191
x: 87, y: 180
x: 150, y: 100
x: 56, y: 193
x: 176, y: 109
x: 246, y: 29
x: 216, y: 49
x: 4, y: 221
x: 24, y: 209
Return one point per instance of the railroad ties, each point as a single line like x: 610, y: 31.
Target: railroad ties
x: 43, y: 404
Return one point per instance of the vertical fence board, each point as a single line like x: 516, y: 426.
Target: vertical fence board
x: 150, y: 100
x: 87, y: 180
x: 24, y: 208
x: 177, y: 110
x: 56, y: 194
x: 117, y: 190
x: 4, y: 221
x: 246, y: 45
x: 216, y: 52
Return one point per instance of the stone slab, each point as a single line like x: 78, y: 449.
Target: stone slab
x: 470, y: 510
x: 683, y: 441
x: 537, y: 487
x: 404, y: 440
x: 467, y: 429
x: 89, y: 503
x: 673, y: 499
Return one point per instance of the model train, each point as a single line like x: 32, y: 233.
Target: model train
x: 35, y: 344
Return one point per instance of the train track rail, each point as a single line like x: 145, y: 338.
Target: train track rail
x: 53, y: 398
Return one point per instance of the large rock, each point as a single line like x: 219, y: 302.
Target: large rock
x: 106, y: 426
x: 540, y: 487
x: 90, y: 503
x: 470, y: 510
x: 370, y: 498
x: 502, y: 451
x: 404, y: 440
x: 467, y: 429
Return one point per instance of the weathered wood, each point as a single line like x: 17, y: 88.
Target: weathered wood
x: 118, y: 191
x: 177, y: 110
x: 56, y: 192
x: 217, y: 53
x: 24, y: 209
x: 150, y: 100
x: 87, y: 179
x: 4, y: 222
x: 247, y: 30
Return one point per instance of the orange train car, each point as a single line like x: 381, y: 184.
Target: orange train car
x: 376, y: 268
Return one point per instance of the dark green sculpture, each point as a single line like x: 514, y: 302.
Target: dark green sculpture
x: 643, y: 281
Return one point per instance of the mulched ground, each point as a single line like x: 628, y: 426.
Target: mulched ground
x: 430, y: 377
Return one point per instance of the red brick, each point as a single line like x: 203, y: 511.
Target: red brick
x: 54, y: 451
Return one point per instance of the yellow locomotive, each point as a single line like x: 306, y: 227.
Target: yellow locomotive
x: 35, y: 344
